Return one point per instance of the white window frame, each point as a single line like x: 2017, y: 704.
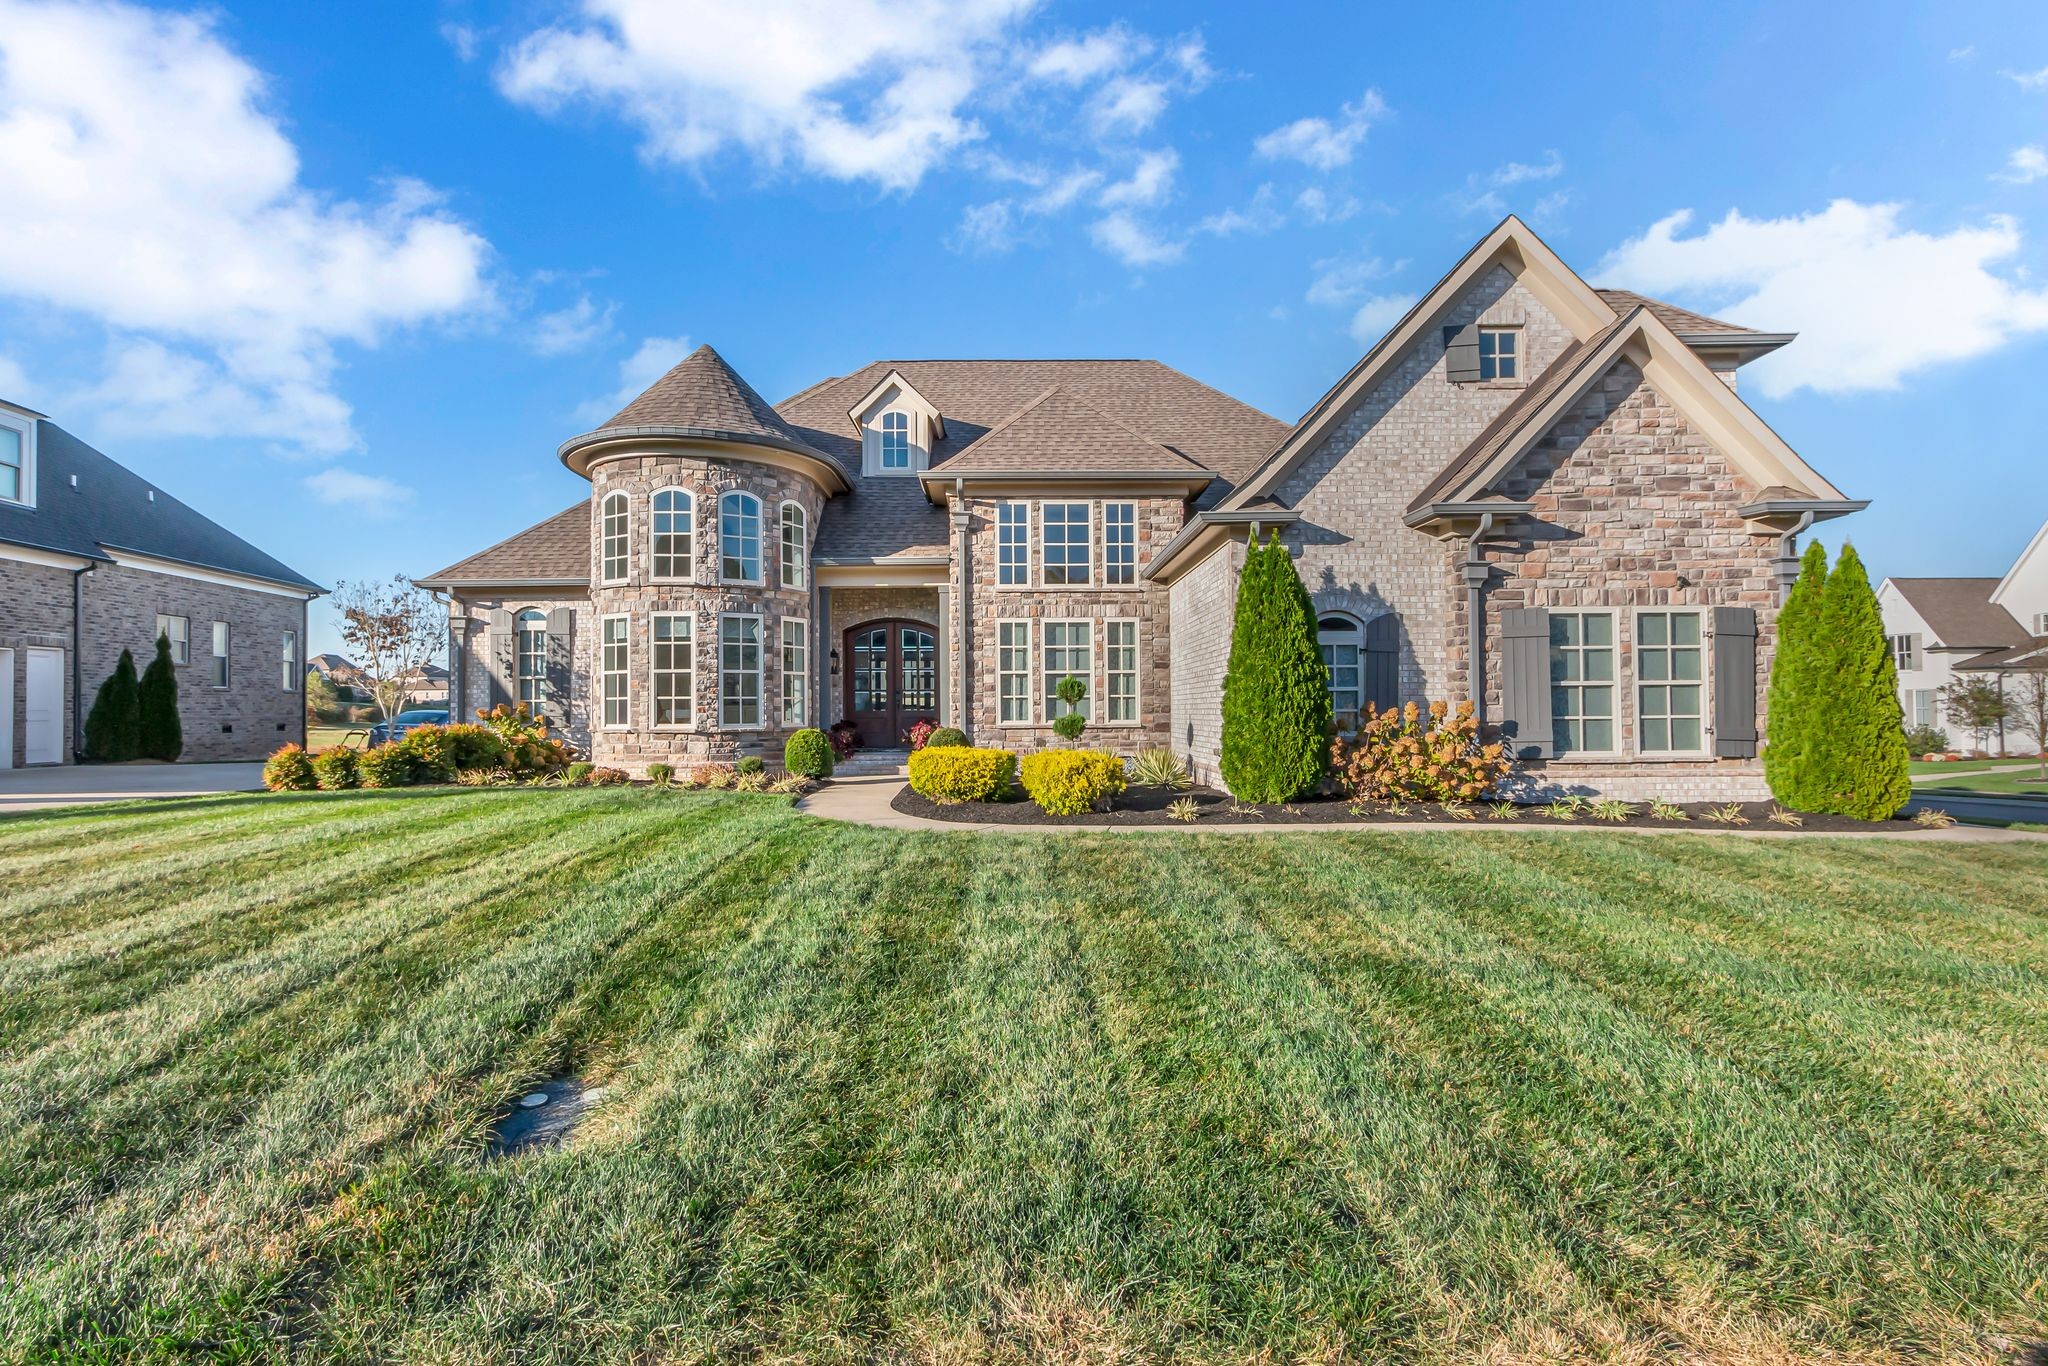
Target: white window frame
x: 1514, y: 333
x: 794, y: 654
x: 885, y: 429
x: 1615, y: 683
x: 25, y: 428
x: 289, y: 660
x: 620, y: 676
x: 759, y: 673
x: 2041, y: 623
x: 222, y: 657
x: 609, y: 540
x: 1022, y: 528
x: 1054, y: 708
x: 1906, y: 653
x: 1109, y: 578
x: 1045, y: 524
x: 688, y: 535
x: 180, y: 638
x: 800, y: 557
x: 1349, y: 635
x: 758, y: 578
x: 1637, y: 682
x: 1924, y: 701
x: 686, y: 697
x: 1110, y: 673
x: 1020, y: 627
x: 520, y: 654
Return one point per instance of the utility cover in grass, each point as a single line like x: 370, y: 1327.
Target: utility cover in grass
x: 543, y: 1117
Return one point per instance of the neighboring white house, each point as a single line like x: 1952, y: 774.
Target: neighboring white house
x: 1940, y: 625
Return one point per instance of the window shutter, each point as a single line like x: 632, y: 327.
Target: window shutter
x: 1525, y: 681
x: 1735, y: 682
x: 499, y: 661
x: 1461, y: 355
x: 1383, y: 661
x: 561, y: 655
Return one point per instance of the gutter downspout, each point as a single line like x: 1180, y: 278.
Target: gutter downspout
x: 77, y: 661
x: 1786, y: 566
x: 962, y: 524
x: 1476, y: 571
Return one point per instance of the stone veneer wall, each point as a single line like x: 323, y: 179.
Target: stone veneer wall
x: 35, y: 610
x: 1204, y: 607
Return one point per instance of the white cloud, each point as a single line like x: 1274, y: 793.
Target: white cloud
x: 371, y: 494
x: 1962, y: 54
x: 1315, y: 206
x: 1341, y: 281
x: 985, y: 229
x: 1127, y: 104
x: 1482, y: 189
x: 2028, y: 80
x: 1077, y: 61
x: 1063, y: 191
x: 14, y: 385
x: 570, y: 329
x: 463, y: 39
x: 1320, y: 142
x: 1260, y: 216
x: 2025, y: 166
x: 1134, y: 243
x: 150, y: 189
x: 1150, y: 182
x: 1377, y: 314
x: 1516, y: 172
x: 1873, y: 302
x: 654, y: 357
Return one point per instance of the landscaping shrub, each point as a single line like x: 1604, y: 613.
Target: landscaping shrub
x: 1411, y: 755
x: 955, y: 773
x: 113, y: 726
x: 577, y: 774
x: 1072, y: 782
x: 1160, y: 767
x: 158, y: 734
x: 290, y: 769
x: 607, y: 777
x: 790, y: 785
x: 484, y: 777
x: 1276, y: 692
x: 661, y: 775
x: 749, y: 763
x: 1795, y: 683
x: 845, y: 738
x: 809, y: 753
x: 713, y: 777
x: 1926, y: 740
x: 334, y: 769
x: 1867, y: 772
x: 755, y: 781
x: 385, y: 766
x: 1070, y: 723
x: 920, y: 734
x: 432, y: 755
x: 946, y: 736
x: 528, y: 746
x: 473, y: 746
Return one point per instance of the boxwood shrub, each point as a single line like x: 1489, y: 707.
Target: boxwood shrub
x: 944, y: 736
x: 1072, y: 782
x: 809, y: 754
x: 955, y: 773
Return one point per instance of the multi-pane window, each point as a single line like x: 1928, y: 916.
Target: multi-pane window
x: 1063, y: 534
x: 1120, y: 669
x: 739, y: 671
x: 1923, y: 707
x: 1581, y: 682
x: 13, y: 466
x: 671, y: 643
x: 530, y: 645
x: 612, y: 549
x: 1119, y: 542
x: 614, y: 667
x: 289, y: 658
x: 672, y: 512
x: 739, y: 538
x: 1498, y: 348
x: 795, y: 546
x: 895, y: 441
x: 220, y: 654
x: 1906, y: 652
x: 1013, y: 543
x: 1668, y: 688
x: 1342, y: 643
x: 796, y: 655
x: 1067, y: 652
x: 1013, y: 672
x: 178, y: 631
x: 918, y: 689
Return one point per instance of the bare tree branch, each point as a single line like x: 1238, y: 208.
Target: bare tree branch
x: 392, y: 630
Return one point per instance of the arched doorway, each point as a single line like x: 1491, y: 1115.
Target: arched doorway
x: 892, y: 679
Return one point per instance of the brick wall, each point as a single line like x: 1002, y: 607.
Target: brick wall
x: 1203, y: 602
x: 852, y: 607
x: 35, y: 610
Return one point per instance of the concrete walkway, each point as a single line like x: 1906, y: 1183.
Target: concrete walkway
x: 38, y: 789
x: 865, y: 801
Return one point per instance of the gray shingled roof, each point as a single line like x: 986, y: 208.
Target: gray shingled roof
x: 2029, y: 657
x: 111, y: 509
x: 1683, y: 321
x: 1058, y: 433
x: 554, y: 551
x: 702, y: 397
x: 1961, y: 614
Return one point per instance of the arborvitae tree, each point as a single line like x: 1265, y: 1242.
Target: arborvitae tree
x: 113, y: 726
x: 1866, y: 764
x: 1276, y: 692
x: 1789, y: 713
x: 159, y: 732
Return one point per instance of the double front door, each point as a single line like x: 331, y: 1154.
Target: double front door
x: 892, y: 680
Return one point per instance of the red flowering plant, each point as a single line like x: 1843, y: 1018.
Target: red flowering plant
x: 919, y: 733
x: 1404, y: 754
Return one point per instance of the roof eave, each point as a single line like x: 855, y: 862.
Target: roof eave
x: 1782, y: 514
x: 579, y: 453
x: 938, y: 481
x: 1204, y: 529
x: 449, y: 585
x: 1447, y: 519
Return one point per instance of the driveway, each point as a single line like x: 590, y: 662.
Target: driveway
x: 35, y: 789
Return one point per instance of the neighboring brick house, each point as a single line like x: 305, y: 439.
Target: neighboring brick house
x: 93, y: 560
x: 1542, y: 495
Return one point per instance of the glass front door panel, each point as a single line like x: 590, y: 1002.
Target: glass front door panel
x: 920, y: 671
x: 871, y: 670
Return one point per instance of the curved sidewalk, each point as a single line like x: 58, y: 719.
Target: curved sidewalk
x: 866, y: 801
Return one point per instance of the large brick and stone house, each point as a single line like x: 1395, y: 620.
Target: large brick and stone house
x: 1537, y: 494
x: 94, y: 560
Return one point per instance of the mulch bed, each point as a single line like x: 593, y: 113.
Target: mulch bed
x: 1147, y: 806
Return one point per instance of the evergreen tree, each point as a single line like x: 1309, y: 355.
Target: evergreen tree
x: 1795, y: 681
x: 112, y: 727
x: 1276, y: 692
x: 160, y: 736
x: 1865, y: 760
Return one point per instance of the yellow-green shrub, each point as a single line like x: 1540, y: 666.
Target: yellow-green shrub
x: 955, y: 773
x: 1072, y: 782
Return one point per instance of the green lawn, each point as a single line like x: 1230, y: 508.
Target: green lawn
x: 320, y: 737
x: 1921, y: 767
x: 2022, y: 778
x: 945, y: 1097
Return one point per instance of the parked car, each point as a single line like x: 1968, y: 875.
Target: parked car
x: 385, y: 732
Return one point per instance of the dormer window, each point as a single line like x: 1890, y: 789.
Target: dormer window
x: 895, y: 438
x: 898, y: 427
x: 17, y: 458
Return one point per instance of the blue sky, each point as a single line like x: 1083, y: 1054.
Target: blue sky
x: 343, y: 276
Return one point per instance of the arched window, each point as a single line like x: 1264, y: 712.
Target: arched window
x: 612, y: 551
x: 739, y: 538
x: 895, y: 441
x: 795, y: 546
x: 533, y: 657
x: 672, y: 517
x: 1342, y: 642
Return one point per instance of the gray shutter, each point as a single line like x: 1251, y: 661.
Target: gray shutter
x: 1461, y: 353
x: 561, y: 660
x: 500, y: 657
x: 1525, y: 681
x: 1383, y: 661
x: 1735, y: 682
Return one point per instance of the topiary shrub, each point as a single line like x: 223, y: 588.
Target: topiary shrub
x: 955, y: 773
x: 1069, y: 724
x: 290, y: 769
x: 385, y: 766
x: 1403, y: 754
x: 809, y: 753
x: 1276, y: 692
x: 1790, y: 765
x: 158, y: 733
x: 334, y: 769
x: 1867, y: 770
x: 1072, y: 782
x: 113, y: 726
x: 946, y: 736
